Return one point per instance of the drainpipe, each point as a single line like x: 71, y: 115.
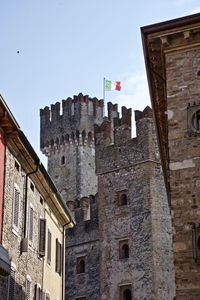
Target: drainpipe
x: 63, y: 259
x: 24, y: 242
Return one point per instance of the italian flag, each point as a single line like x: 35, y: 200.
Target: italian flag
x: 112, y: 85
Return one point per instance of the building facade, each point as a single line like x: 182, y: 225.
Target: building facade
x: 28, y: 194
x: 172, y: 54
x: 120, y: 247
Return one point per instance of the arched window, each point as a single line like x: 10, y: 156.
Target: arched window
x: 80, y: 268
x: 123, y: 249
x: 72, y: 137
x: 89, y: 138
x: 127, y: 294
x: 62, y: 140
x: 122, y: 198
x: 67, y: 138
x: 62, y: 160
x: 196, y: 120
x: 57, y: 141
x: 52, y: 142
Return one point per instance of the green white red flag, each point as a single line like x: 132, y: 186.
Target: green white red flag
x: 112, y: 85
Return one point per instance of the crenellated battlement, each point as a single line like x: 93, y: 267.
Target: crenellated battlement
x: 85, y: 211
x: 73, y: 125
x: 78, y: 106
x: 114, y: 129
x: 114, y: 146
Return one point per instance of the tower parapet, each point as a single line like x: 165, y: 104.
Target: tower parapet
x: 73, y: 126
x: 114, y: 146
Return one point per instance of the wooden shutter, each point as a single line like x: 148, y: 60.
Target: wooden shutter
x: 58, y: 257
x: 38, y: 292
x: 12, y: 285
x: 28, y: 290
x: 49, y: 248
x: 30, y: 234
x: 16, y: 207
x: 42, y: 237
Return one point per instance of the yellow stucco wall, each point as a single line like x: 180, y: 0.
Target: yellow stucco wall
x: 52, y: 281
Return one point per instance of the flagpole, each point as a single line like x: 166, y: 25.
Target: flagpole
x: 104, y: 81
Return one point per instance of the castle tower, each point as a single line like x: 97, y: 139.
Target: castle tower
x: 134, y: 219
x: 67, y: 140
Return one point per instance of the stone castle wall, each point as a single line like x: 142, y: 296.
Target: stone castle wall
x: 68, y: 141
x: 83, y: 241
x: 124, y: 166
x: 132, y: 167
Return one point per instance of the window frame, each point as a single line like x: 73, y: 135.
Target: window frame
x: 121, y: 202
x: 49, y: 246
x: 79, y: 269
x: 42, y: 237
x: 123, y: 288
x: 30, y: 223
x: 15, y: 226
x: 58, y: 257
x: 122, y: 252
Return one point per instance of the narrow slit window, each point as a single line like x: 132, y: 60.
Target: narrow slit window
x: 123, y: 249
x: 62, y: 160
x: 80, y: 265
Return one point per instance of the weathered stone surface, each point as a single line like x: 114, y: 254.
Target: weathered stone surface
x: 134, y: 166
x: 123, y: 166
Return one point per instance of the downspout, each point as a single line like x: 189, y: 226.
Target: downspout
x: 24, y: 244
x: 63, y: 258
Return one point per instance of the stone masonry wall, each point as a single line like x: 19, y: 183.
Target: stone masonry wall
x: 183, y: 89
x: 26, y: 263
x: 68, y: 141
x: 83, y: 241
x: 133, y: 166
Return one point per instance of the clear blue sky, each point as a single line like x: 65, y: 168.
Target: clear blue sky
x: 68, y: 46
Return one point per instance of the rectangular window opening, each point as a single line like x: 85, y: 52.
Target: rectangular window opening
x: 49, y: 247
x: 16, y: 206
